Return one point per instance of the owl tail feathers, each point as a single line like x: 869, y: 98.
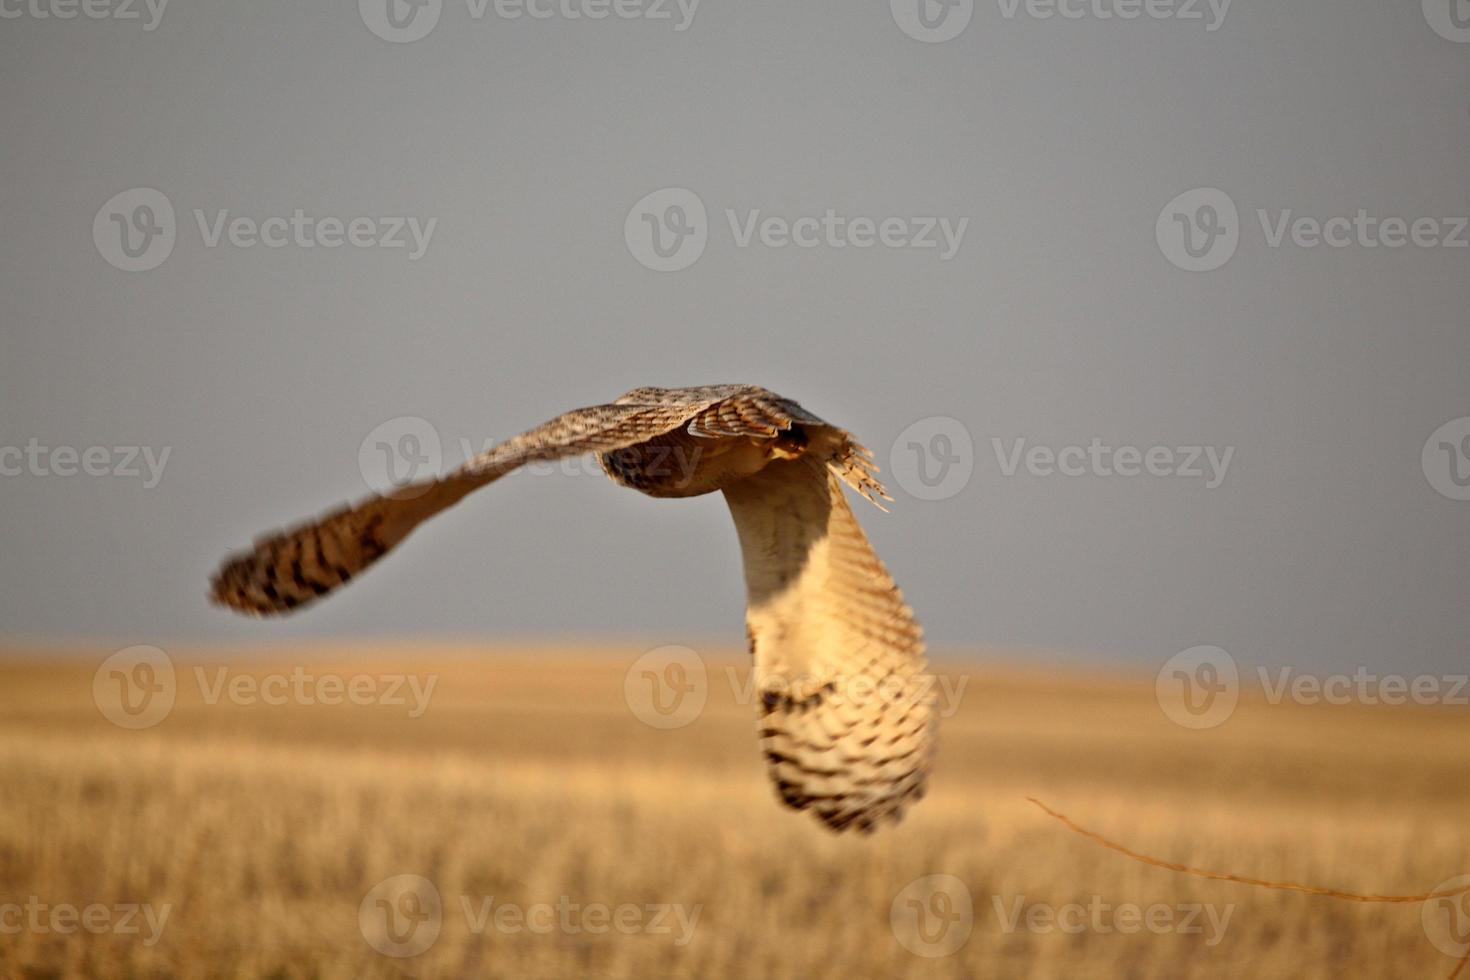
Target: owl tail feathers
x: 286, y: 570
x: 856, y: 758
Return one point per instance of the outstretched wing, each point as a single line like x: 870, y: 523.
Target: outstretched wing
x: 846, y: 708
x: 599, y: 429
x: 752, y: 412
x: 288, y: 569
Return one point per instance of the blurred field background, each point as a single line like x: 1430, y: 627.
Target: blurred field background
x: 528, y: 778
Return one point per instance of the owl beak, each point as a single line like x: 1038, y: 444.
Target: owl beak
x: 789, y: 443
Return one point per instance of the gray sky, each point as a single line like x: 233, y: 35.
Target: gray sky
x: 1063, y: 313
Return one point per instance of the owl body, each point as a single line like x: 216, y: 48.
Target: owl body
x: 845, y: 709
x: 677, y: 464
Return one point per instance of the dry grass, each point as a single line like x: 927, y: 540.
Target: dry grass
x: 528, y: 779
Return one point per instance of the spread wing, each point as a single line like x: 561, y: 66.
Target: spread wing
x: 288, y: 569
x: 846, y: 707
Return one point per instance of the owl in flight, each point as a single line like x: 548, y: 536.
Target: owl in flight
x: 846, y: 713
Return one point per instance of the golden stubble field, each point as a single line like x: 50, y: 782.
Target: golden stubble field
x: 555, y: 834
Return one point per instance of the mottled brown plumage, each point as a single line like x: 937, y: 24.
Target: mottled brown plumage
x: 846, y: 715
